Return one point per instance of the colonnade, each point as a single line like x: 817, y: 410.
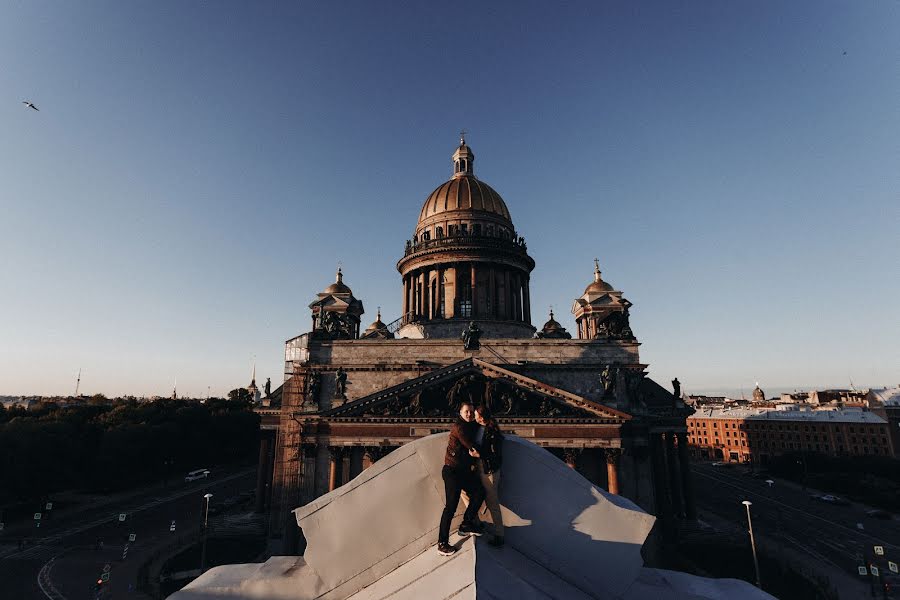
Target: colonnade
x: 466, y: 290
x: 673, y: 487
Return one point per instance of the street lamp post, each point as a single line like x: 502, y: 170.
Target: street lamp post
x: 206, y: 496
x: 747, y: 503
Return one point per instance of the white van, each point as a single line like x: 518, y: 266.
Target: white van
x: 196, y: 474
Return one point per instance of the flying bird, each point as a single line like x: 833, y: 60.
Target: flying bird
x: 30, y: 105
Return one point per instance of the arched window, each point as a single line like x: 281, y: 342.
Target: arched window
x: 426, y: 235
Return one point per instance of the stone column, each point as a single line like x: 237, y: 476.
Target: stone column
x: 405, y: 296
x: 612, y: 469
x: 658, y: 468
x: 320, y: 484
x: 426, y: 294
x: 474, y: 294
x: 674, y: 480
x: 492, y: 292
x: 513, y: 307
x: 507, y: 302
x: 334, y: 468
x: 527, y: 299
x: 262, y: 469
x: 308, y: 475
x: 570, y: 455
x: 440, y: 294
x: 687, y: 488
x: 356, y: 461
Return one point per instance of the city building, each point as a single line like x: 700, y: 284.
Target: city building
x: 885, y: 402
x: 353, y: 394
x: 756, y: 435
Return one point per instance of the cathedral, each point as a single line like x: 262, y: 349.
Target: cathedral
x: 353, y: 393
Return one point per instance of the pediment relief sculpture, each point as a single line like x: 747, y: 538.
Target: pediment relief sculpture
x: 504, y: 398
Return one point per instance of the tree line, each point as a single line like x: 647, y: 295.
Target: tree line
x: 106, y: 445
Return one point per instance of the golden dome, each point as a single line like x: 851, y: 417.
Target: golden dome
x: 338, y: 286
x: 464, y: 192
x: 598, y: 286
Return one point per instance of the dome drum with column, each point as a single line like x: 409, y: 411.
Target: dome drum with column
x: 466, y: 261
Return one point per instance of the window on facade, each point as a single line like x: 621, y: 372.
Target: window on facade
x: 464, y: 229
x: 465, y: 298
x: 476, y: 229
x: 426, y: 235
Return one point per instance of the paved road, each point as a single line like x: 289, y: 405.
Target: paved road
x: 829, y: 534
x: 71, y: 542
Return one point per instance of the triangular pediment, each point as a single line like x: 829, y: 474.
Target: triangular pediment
x: 330, y: 301
x: 437, y: 394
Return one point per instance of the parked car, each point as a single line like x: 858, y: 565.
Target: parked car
x: 196, y: 474
x: 831, y: 499
x: 877, y: 513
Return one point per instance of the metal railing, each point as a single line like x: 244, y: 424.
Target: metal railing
x: 516, y: 244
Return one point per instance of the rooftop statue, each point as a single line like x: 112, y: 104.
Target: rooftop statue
x: 471, y: 337
x: 340, y: 383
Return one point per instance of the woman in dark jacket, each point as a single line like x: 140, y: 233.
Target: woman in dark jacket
x: 491, y: 444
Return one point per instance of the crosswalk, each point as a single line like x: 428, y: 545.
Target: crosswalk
x: 42, y: 551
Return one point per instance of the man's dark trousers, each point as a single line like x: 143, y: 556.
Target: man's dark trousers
x: 455, y: 481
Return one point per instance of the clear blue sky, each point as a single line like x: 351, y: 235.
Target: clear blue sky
x: 197, y: 170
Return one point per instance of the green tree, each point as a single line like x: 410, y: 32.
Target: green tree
x: 240, y: 395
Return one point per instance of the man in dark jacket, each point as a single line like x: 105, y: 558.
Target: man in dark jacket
x: 459, y: 474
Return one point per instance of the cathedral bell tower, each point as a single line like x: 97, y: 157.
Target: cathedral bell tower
x: 601, y: 312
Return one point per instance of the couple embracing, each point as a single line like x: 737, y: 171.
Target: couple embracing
x: 472, y: 465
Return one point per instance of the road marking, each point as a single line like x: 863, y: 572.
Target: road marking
x: 43, y: 542
x: 809, y: 550
x: 788, y: 506
x: 44, y: 582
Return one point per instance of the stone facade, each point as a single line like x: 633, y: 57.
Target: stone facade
x: 465, y: 332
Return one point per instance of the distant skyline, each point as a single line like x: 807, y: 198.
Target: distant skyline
x: 196, y: 173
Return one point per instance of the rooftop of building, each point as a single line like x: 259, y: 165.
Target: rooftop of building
x: 806, y: 416
x: 888, y: 396
x: 374, y: 538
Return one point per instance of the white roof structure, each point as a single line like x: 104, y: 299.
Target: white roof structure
x: 810, y: 416
x: 887, y: 396
x: 374, y: 538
